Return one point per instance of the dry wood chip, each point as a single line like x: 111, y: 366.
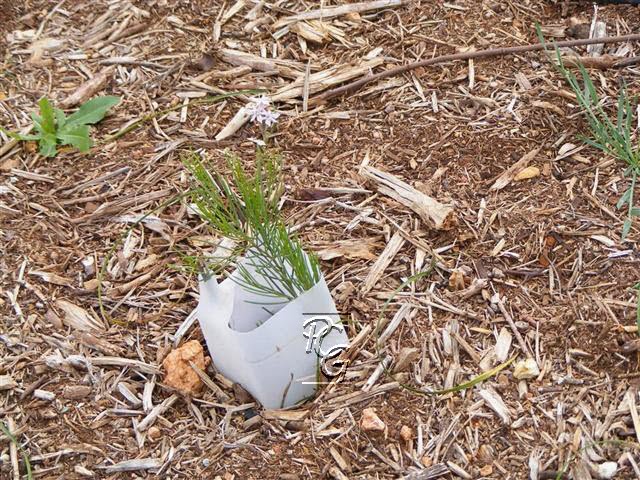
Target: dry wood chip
x: 337, y: 11
x: 360, y: 248
x: 156, y: 412
x: 320, y: 81
x: 285, y: 415
x: 434, y: 471
x: 53, y: 278
x: 433, y: 212
x: 132, y: 465
x: 509, y: 174
x: 495, y: 402
x: 88, y: 88
x: 7, y: 382
x: 503, y: 344
x: 386, y: 257
x: 125, y: 362
x: 77, y: 317
x: 284, y: 68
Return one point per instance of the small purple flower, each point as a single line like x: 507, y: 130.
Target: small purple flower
x: 259, y: 110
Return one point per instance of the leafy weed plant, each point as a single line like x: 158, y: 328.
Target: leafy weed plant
x: 244, y: 208
x: 54, y: 128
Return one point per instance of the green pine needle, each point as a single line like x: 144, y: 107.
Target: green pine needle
x: 245, y: 209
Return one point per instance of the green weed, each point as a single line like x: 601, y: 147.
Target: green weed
x: 54, y: 128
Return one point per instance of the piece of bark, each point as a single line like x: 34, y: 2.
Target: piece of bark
x: 337, y: 11
x: 509, y: 174
x: 284, y: 68
x: 88, y: 89
x: 324, y: 79
x: 436, y: 214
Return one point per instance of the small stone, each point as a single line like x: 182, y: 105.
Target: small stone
x: 426, y: 461
x: 406, y: 357
x: 503, y: 381
x: 607, y: 470
x: 370, y: 422
x: 153, y: 433
x: 406, y: 433
x: 458, y: 279
x: 527, y: 173
x: 178, y: 371
x: 526, y: 369
x: 76, y: 392
x: 486, y: 470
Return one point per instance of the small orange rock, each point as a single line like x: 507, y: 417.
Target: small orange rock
x: 527, y: 173
x: 370, y: 422
x: 153, y: 433
x: 457, y: 280
x: 406, y: 433
x: 178, y: 372
x: 486, y: 470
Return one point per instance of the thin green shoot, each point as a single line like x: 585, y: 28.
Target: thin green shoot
x: 613, y: 137
x: 14, y: 440
x: 457, y: 388
x: 244, y: 208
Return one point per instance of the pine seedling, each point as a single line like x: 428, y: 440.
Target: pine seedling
x: 245, y: 209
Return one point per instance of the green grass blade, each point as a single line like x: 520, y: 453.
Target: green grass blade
x: 14, y: 440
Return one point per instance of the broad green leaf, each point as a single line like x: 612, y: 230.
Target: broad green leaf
x: 48, y: 123
x: 635, y: 212
x: 92, y: 111
x: 37, y: 123
x: 626, y: 228
x: 76, y: 135
x: 48, y: 145
x: 61, y: 118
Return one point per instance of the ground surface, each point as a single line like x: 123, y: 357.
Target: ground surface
x: 549, y: 246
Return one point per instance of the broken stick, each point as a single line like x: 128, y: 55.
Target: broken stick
x: 433, y: 212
